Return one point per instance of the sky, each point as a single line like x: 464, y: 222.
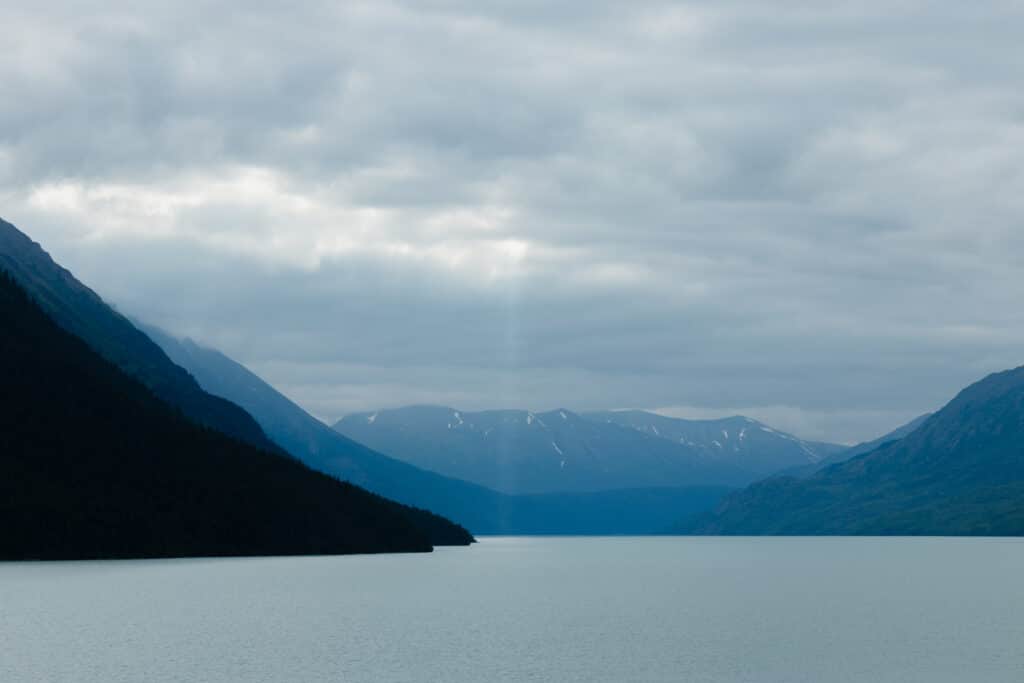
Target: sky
x: 809, y: 213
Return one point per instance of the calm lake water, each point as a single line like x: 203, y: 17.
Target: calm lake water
x: 528, y: 609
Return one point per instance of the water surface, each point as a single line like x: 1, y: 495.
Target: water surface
x: 531, y: 609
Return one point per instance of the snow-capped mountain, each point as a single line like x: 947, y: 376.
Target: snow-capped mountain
x: 519, y: 451
x: 739, y: 440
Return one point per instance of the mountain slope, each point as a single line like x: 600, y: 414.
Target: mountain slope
x: 859, y: 449
x: 92, y: 465
x: 740, y: 441
x: 960, y: 473
x: 81, y: 312
x: 520, y: 452
x: 868, y: 446
x: 482, y: 510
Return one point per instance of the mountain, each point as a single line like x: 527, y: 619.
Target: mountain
x: 868, y: 446
x: 482, y: 510
x: 84, y: 314
x: 93, y: 465
x: 859, y: 449
x: 740, y: 441
x: 81, y: 312
x: 521, y: 452
x: 961, y: 472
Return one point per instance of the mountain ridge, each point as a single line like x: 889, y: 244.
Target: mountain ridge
x: 531, y: 452
x: 522, y: 452
x: 760, y: 448
x: 857, y: 449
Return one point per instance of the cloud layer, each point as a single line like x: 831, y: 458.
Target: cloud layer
x: 810, y: 214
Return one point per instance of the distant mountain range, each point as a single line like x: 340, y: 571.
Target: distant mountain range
x: 960, y: 472
x: 483, y: 510
x: 108, y: 449
x: 522, y: 452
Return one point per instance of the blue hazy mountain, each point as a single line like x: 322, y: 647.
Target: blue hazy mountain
x: 94, y: 465
x: 961, y: 472
x: 739, y: 441
x: 482, y: 510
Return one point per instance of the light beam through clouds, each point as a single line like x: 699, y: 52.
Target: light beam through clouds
x: 808, y: 213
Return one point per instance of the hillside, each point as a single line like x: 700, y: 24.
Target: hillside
x: 858, y: 449
x: 868, y: 446
x: 959, y: 473
x: 93, y: 465
x: 81, y: 312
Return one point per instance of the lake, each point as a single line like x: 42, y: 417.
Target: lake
x: 533, y: 609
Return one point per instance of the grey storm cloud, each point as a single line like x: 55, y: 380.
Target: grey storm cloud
x: 807, y: 212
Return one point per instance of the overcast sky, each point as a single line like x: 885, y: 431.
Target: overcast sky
x: 811, y: 213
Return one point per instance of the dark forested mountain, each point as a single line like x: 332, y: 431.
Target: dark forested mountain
x: 81, y: 312
x: 479, y: 508
x: 93, y: 465
x: 740, y: 441
x: 961, y: 472
x: 520, y: 452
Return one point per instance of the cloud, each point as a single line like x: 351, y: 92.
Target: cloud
x: 513, y: 203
